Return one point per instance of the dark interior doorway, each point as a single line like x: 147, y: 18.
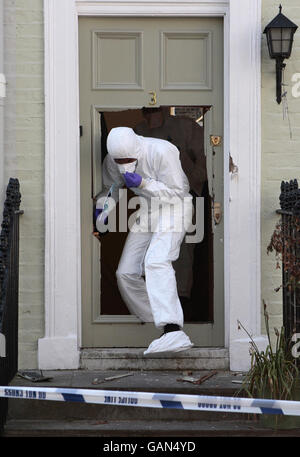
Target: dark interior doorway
x: 184, y: 128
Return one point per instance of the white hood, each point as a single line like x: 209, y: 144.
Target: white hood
x: 123, y: 143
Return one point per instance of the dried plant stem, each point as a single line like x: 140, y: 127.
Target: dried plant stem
x: 273, y: 373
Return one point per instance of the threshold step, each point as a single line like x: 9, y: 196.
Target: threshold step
x: 134, y: 359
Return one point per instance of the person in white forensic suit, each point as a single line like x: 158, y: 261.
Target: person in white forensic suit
x: 151, y: 168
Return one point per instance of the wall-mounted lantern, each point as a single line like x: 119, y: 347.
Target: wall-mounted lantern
x: 280, y: 34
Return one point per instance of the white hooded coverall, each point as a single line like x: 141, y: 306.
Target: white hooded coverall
x: 150, y: 253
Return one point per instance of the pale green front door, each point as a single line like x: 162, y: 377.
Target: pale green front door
x: 130, y: 63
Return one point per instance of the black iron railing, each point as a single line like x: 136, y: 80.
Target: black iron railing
x: 9, y: 290
x: 290, y: 231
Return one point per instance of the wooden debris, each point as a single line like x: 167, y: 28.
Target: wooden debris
x: 198, y: 381
x: 111, y: 378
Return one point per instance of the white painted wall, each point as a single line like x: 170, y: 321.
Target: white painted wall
x: 280, y: 152
x: 24, y: 159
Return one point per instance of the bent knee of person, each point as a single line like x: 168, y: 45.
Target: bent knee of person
x: 122, y: 274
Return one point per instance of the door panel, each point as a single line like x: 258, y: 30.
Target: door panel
x: 123, y: 63
x: 193, y: 50
x: 117, y: 60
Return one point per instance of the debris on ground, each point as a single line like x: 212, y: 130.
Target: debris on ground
x: 111, y: 378
x: 199, y: 380
x: 187, y: 379
x: 34, y: 376
x: 187, y: 373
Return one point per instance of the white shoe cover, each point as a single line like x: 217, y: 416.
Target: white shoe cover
x: 170, y: 342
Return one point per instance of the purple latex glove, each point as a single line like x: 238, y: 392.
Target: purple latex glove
x: 98, y: 211
x: 132, y: 179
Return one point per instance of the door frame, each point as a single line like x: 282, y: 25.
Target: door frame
x: 60, y: 347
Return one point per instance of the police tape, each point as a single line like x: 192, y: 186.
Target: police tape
x: 155, y: 400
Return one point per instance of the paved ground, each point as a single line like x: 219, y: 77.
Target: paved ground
x: 166, y: 381
x: 42, y: 418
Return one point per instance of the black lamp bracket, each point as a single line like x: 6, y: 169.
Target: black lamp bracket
x: 280, y: 66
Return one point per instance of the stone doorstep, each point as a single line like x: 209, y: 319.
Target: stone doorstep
x: 137, y: 353
x: 133, y: 358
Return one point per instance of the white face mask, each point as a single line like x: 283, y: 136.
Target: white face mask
x: 127, y: 167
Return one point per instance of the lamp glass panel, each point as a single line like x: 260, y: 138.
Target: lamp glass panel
x: 287, y: 36
x: 287, y: 33
x: 275, y: 41
x: 281, y: 41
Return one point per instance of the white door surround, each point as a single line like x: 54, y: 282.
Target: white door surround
x: 60, y: 347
